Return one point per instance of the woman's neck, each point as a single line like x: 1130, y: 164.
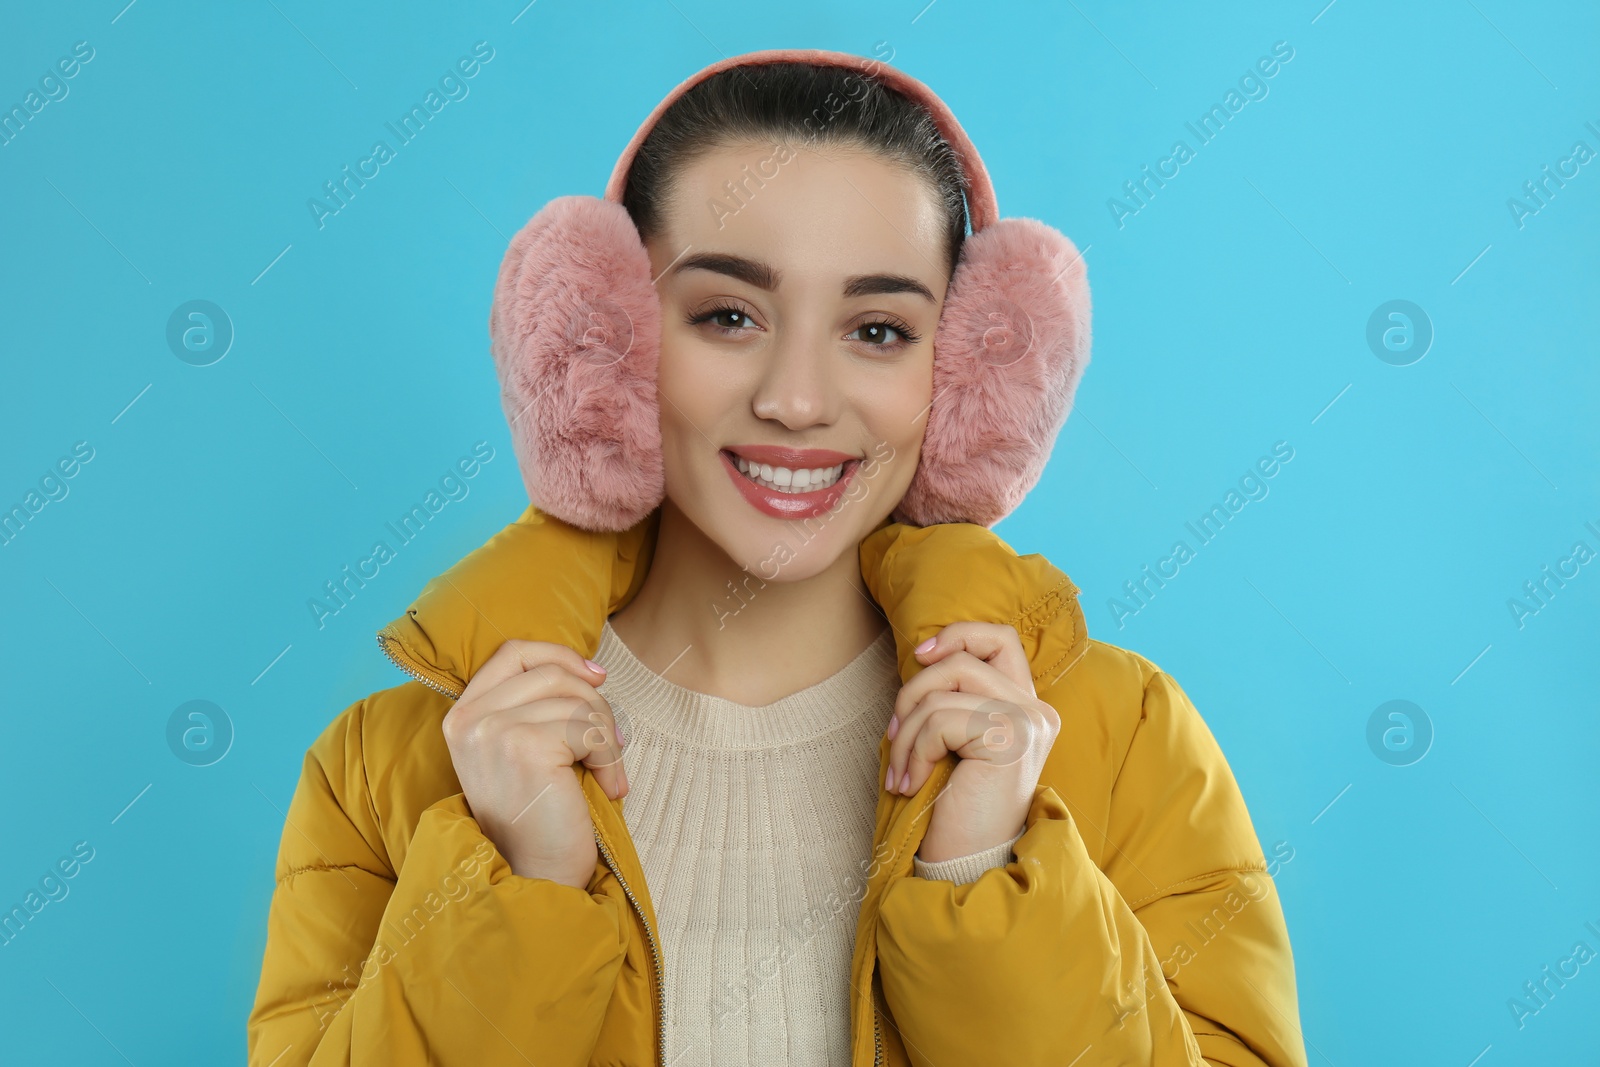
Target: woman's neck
x: 712, y: 627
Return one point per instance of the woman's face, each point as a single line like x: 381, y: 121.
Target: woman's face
x: 800, y: 289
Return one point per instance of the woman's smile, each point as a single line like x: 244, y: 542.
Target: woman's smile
x: 789, y: 483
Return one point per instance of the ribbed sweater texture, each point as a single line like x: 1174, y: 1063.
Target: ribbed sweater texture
x: 754, y: 827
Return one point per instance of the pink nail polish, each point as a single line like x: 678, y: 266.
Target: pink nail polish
x: 593, y: 666
x: 888, y: 781
x: 620, y: 741
x: 905, y: 781
x: 894, y: 726
x: 927, y: 646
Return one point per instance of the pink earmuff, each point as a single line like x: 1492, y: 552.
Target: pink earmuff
x: 575, y: 330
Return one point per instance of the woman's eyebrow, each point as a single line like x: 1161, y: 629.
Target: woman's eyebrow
x: 878, y: 284
x: 763, y: 277
x: 746, y: 270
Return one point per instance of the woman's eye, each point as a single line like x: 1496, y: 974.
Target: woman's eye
x: 877, y: 333
x: 729, y: 319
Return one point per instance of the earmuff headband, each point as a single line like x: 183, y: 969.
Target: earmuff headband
x: 982, y: 208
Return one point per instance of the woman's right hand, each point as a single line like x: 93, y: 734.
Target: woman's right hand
x: 528, y: 714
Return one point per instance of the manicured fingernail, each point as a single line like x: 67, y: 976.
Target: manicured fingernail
x: 905, y: 781
x: 894, y: 726
x: 888, y: 781
x: 593, y: 666
x: 927, y: 646
x: 620, y: 741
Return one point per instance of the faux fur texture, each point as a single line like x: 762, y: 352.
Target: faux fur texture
x: 575, y: 331
x: 1012, y: 343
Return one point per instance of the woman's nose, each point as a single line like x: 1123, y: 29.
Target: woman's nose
x: 798, y: 387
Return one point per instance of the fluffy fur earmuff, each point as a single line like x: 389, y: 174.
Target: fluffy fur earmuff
x: 1012, y: 342
x: 576, y: 330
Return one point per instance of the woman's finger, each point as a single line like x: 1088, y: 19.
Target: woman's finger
x: 544, y: 681
x: 915, y: 746
x: 974, y: 727
x: 945, y: 723
x: 903, y: 731
x: 516, y: 657
x: 560, y: 731
x: 995, y: 643
x: 589, y: 730
x: 537, y: 696
x: 957, y: 672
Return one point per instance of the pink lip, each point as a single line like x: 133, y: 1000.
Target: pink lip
x: 790, y: 505
x: 793, y: 458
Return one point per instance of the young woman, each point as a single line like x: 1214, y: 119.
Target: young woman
x: 738, y: 747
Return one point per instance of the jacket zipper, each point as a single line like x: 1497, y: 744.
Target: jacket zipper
x: 877, y: 1039
x: 661, y: 1003
x: 655, y: 952
x: 383, y: 645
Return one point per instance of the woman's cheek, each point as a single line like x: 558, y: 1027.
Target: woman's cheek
x: 692, y: 391
x: 899, y: 423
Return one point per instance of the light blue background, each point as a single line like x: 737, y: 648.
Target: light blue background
x: 1230, y: 313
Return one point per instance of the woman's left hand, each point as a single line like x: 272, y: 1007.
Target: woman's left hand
x: 975, y: 698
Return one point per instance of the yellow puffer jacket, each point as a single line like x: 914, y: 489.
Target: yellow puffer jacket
x: 1137, y: 925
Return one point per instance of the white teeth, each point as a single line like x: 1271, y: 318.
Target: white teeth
x: 787, y: 480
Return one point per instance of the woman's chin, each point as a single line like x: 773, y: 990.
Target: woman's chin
x: 788, y: 553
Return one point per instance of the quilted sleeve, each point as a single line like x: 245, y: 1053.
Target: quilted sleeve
x: 367, y: 967
x: 1045, y: 958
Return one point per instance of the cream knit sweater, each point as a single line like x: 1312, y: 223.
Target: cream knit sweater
x: 754, y: 827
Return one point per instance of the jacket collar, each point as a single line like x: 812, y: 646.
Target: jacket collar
x: 537, y: 579
x: 922, y: 578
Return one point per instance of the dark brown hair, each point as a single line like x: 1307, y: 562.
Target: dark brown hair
x: 797, y: 104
